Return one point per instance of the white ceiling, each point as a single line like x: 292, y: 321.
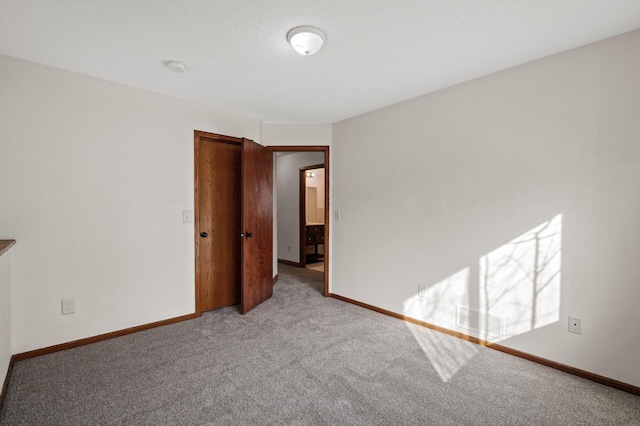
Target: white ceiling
x: 378, y: 52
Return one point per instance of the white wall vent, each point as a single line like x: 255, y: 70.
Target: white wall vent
x: 486, y: 324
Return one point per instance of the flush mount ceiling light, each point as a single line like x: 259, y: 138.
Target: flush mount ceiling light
x: 176, y: 66
x: 306, y: 40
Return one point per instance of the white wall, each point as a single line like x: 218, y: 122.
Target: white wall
x: 5, y: 313
x: 296, y: 134
x: 464, y: 171
x: 288, y: 189
x: 93, y: 182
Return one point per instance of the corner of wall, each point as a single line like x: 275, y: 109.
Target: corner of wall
x: 6, y: 334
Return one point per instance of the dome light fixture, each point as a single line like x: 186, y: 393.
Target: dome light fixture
x: 176, y: 66
x: 306, y: 40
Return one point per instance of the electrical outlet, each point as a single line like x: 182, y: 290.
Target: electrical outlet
x: 422, y: 291
x: 575, y: 325
x: 289, y: 249
x: 337, y: 214
x: 68, y: 306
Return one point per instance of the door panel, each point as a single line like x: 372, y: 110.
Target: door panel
x: 218, y: 223
x: 257, y: 224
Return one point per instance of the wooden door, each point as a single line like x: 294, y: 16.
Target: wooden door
x: 217, y: 220
x: 257, y: 224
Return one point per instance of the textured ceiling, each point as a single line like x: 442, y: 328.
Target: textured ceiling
x: 377, y: 52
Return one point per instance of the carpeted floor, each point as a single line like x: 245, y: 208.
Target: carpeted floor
x: 301, y: 359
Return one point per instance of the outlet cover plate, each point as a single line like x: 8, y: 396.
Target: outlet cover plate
x: 422, y: 291
x: 575, y: 325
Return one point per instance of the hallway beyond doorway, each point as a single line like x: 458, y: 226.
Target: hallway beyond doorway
x: 316, y: 266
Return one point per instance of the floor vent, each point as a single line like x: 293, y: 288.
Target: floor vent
x: 482, y: 322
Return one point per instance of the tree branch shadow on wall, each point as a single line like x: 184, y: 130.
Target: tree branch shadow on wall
x: 516, y: 290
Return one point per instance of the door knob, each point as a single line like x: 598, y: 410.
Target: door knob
x: 204, y: 234
x: 249, y: 234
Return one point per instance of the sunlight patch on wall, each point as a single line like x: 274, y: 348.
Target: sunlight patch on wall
x: 516, y: 290
x: 520, y: 281
x: 437, y: 304
x: 447, y: 354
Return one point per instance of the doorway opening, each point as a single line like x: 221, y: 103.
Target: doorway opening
x: 312, y: 218
x: 292, y: 163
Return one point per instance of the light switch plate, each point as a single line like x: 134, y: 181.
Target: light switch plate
x: 422, y: 291
x: 187, y: 216
x: 68, y: 306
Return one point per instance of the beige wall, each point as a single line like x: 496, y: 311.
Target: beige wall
x: 317, y: 181
x: 449, y: 191
x: 93, y: 182
x: 296, y: 134
x: 5, y: 313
